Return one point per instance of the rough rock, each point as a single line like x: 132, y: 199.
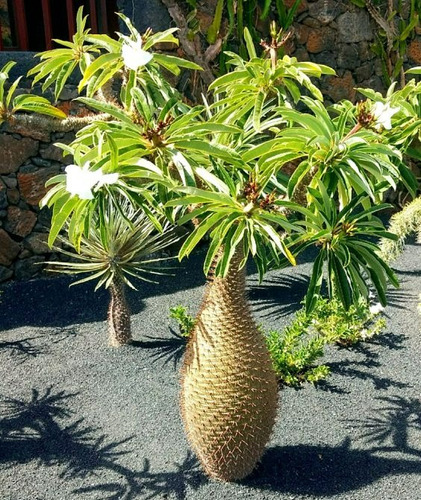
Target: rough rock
x: 13, y: 196
x: 301, y: 33
x: 325, y: 11
x: 354, y: 27
x: 3, y: 195
x: 34, y: 133
x: 52, y: 152
x: 9, y: 249
x: 32, y: 185
x: 20, y: 222
x: 414, y: 51
x: 363, y: 72
x: 338, y: 88
x: 302, y: 7
x: 11, y: 182
x: 347, y: 56
x: 14, y: 152
x: 44, y: 217
x: 37, y: 243
x: 27, y: 268
x: 320, y: 39
x: 5, y: 273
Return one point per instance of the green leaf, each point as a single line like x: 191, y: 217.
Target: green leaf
x: 315, y: 284
x: 214, y: 28
x: 249, y: 43
x: 107, y: 108
x: 341, y: 283
x: 297, y: 176
x: 257, y: 110
x: 161, y: 36
x: 63, y: 76
x: 212, y: 180
x: 167, y: 60
x: 61, y: 213
x: 99, y: 63
x: 199, y: 232
x: 37, y: 104
x: 224, y: 80
x: 11, y: 92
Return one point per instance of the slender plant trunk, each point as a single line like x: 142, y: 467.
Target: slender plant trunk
x: 229, y: 395
x: 119, y: 330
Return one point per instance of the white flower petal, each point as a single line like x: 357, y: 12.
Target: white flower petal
x: 80, y: 181
x: 376, y: 308
x: 133, y: 55
x: 383, y: 113
x: 107, y: 179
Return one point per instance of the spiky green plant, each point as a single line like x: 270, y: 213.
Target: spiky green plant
x: 402, y: 224
x: 122, y: 245
x: 11, y: 105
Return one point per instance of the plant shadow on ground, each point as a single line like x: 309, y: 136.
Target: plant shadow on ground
x: 364, y: 368
x: 168, y: 350
x: 278, y: 296
x: 52, y: 302
x: 34, y: 430
x: 332, y: 470
x: 25, y: 348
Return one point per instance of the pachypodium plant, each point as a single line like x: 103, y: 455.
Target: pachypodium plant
x: 12, y: 105
x: 247, y: 173
x: 123, y: 248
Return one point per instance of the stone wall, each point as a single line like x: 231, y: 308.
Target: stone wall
x: 27, y: 160
x: 340, y: 34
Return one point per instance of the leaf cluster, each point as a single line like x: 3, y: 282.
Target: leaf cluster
x: 11, y: 104
x: 184, y: 320
x: 298, y: 350
x: 248, y: 173
x: 99, y: 59
x: 121, y: 247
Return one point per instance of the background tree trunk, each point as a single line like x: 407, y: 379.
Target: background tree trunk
x: 119, y: 329
x: 229, y: 388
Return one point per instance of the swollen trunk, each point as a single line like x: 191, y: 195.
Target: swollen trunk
x: 229, y: 389
x: 119, y: 331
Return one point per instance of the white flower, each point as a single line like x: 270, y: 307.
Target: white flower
x: 376, y: 308
x: 133, y: 55
x: 81, y: 181
x: 106, y: 179
x: 382, y: 114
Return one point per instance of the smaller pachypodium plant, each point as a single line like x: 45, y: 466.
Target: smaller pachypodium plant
x: 402, y: 224
x: 121, y: 245
x: 11, y: 105
x: 100, y: 58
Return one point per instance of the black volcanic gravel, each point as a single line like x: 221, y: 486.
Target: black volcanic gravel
x: 80, y: 420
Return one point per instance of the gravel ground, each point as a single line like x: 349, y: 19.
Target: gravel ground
x: 79, y: 420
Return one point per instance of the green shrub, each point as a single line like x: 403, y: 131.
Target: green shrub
x: 297, y: 349
x: 184, y: 320
x: 346, y: 327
